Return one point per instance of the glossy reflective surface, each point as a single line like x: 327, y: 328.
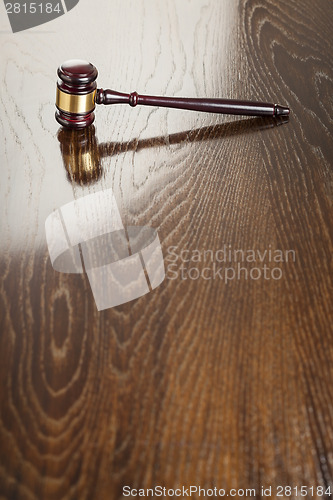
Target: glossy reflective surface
x: 222, y: 374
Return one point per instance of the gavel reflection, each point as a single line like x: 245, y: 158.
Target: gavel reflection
x: 82, y: 155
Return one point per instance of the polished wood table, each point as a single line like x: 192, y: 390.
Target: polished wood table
x: 221, y: 376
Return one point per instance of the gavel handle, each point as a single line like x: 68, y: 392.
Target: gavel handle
x: 224, y: 106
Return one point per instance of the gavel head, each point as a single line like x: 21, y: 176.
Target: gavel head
x: 76, y: 90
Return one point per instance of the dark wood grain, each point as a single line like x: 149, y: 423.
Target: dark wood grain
x: 198, y: 382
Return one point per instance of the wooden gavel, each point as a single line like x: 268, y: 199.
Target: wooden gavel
x: 77, y: 95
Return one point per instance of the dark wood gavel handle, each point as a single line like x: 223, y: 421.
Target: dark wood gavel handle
x: 224, y: 106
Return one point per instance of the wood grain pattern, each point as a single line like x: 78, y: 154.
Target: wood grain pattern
x: 199, y: 382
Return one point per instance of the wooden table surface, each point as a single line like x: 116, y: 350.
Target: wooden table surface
x: 215, y: 382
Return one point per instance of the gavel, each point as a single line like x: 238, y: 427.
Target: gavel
x: 77, y: 96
